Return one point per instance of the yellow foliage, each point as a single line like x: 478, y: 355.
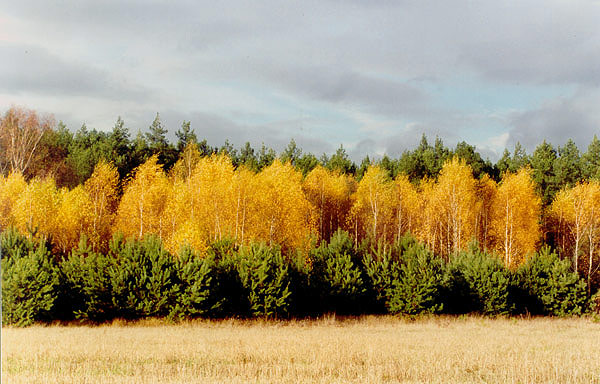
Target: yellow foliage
x: 428, y: 226
x: 330, y: 193
x: 11, y: 187
x: 280, y: 213
x: 407, y: 205
x: 450, y: 208
x: 187, y: 162
x: 186, y: 233
x: 101, y: 188
x: 373, y: 209
x: 35, y: 209
x: 244, y: 188
x: 211, y: 184
x: 577, y: 212
x: 516, y: 215
x: 72, y: 219
x: 143, y: 203
x: 486, y: 194
x: 205, y: 199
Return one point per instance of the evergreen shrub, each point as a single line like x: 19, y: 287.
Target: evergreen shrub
x: 30, y: 280
x: 336, y: 277
x: 264, y: 274
x: 417, y: 284
x: 478, y: 282
x: 547, y: 285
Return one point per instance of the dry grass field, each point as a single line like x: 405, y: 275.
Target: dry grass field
x: 329, y: 350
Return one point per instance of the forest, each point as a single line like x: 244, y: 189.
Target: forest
x: 99, y: 192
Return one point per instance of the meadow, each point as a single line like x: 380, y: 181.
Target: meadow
x: 368, y: 349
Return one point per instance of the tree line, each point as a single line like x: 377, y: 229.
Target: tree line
x: 36, y: 145
x: 137, y: 279
x: 61, y: 187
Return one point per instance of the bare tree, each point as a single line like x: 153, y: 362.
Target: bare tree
x: 20, y: 133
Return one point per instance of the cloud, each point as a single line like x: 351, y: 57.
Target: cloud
x: 527, y: 43
x: 376, y: 73
x: 33, y: 69
x: 349, y: 89
x: 216, y: 129
x: 411, y: 136
x: 557, y: 121
x: 366, y: 147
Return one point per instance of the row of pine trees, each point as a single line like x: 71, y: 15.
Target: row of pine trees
x: 139, y: 279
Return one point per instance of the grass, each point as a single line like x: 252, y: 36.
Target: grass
x: 328, y: 350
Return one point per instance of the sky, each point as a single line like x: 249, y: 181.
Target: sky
x: 372, y: 76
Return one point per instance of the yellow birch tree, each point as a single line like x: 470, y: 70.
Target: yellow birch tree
x: 452, y: 204
x: 101, y: 189
x: 73, y: 218
x: 11, y: 187
x: 407, y: 205
x: 142, y: 206
x: 35, y: 209
x: 373, y: 209
x: 280, y: 212
x: 516, y: 216
x: 331, y: 194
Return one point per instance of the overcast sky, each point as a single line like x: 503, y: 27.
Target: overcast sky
x: 371, y: 75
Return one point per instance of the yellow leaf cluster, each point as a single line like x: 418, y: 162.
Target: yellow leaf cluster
x: 373, y: 210
x: 11, y: 188
x: 207, y: 199
x: 141, y: 208
x: 281, y: 213
x: 450, y: 206
x: 576, y: 212
x: 101, y: 189
x: 330, y: 193
x: 516, y: 215
x: 214, y: 201
x: 36, y: 209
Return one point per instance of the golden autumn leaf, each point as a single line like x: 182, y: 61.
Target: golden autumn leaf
x: 101, y: 189
x: 11, y: 187
x: 35, y: 209
x: 142, y: 206
x: 330, y: 193
x: 72, y: 218
x: 516, y: 215
x: 373, y: 209
x: 450, y: 209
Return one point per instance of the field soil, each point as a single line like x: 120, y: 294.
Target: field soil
x: 328, y: 350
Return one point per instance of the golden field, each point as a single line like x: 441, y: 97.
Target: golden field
x: 328, y: 350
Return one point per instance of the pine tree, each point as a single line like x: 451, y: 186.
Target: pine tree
x: 156, y: 137
x: 185, y: 135
x: 590, y: 161
x: 542, y: 164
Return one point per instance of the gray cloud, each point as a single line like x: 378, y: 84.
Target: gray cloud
x: 411, y: 136
x: 32, y: 69
x: 366, y: 147
x: 557, y: 121
x: 381, y: 96
x: 216, y: 129
x: 387, y: 61
x: 558, y: 42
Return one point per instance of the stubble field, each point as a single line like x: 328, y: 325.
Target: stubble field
x: 328, y: 350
